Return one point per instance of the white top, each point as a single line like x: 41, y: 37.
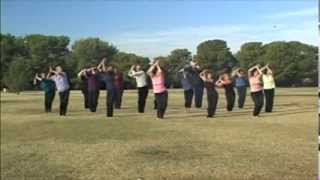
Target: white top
x: 268, y: 82
x: 140, y: 76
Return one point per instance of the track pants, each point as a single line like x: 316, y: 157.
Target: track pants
x: 93, y: 97
x: 162, y: 102
x: 142, y: 97
x: 257, y: 98
x: 64, y: 100
x: 188, y: 95
x: 212, y: 97
x: 242, y: 92
x: 269, y: 96
x: 48, y: 99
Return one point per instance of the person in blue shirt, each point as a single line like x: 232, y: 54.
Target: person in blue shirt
x: 48, y: 86
x: 187, y: 88
x: 107, y: 76
x: 241, y: 83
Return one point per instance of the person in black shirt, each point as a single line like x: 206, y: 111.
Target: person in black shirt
x: 212, y: 95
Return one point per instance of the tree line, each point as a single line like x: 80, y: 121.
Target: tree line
x: 294, y: 63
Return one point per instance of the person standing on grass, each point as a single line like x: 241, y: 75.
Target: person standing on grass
x: 62, y: 84
x: 256, y: 87
x: 212, y: 95
x: 107, y: 76
x: 119, y: 84
x: 226, y: 82
x: 48, y: 86
x: 187, y: 89
x: 268, y: 86
x: 93, y: 84
x: 197, y: 84
x: 241, y: 83
x: 157, y: 75
x: 141, y: 80
x: 84, y: 88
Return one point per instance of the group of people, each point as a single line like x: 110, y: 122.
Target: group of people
x: 193, y: 80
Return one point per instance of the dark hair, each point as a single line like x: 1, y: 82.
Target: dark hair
x: 252, y: 72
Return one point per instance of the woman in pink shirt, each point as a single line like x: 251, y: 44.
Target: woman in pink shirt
x: 256, y: 87
x: 159, y: 89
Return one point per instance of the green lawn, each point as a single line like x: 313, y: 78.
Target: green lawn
x: 232, y: 146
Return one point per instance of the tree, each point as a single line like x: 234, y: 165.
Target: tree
x: 178, y: 58
x: 90, y: 51
x: 215, y: 54
x: 19, y: 76
x: 250, y: 54
x: 11, y: 47
x: 292, y: 62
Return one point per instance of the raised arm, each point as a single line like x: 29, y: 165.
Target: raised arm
x: 203, y: 75
x: 152, y: 67
x: 235, y: 72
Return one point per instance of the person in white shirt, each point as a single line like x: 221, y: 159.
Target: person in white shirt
x: 141, y: 80
x: 268, y: 87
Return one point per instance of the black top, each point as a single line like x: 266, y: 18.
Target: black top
x: 210, y: 85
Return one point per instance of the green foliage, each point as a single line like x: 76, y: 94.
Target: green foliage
x: 90, y: 51
x: 177, y: 59
x: 215, y: 54
x: 250, y: 54
x: 19, y: 76
x: 294, y: 63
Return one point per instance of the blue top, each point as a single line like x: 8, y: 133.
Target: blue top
x: 241, y: 81
x: 109, y: 80
x: 186, y: 85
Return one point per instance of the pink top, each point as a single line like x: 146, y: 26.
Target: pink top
x: 255, y: 83
x: 158, y: 83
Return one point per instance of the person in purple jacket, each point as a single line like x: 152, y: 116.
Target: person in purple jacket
x: 91, y: 75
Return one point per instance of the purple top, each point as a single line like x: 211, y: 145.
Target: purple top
x: 93, y: 82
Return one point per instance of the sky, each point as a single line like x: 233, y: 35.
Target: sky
x: 154, y: 28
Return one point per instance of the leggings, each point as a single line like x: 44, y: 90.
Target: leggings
x: 188, y: 95
x: 110, y: 102
x: 48, y: 99
x: 64, y: 99
x: 257, y: 98
x: 142, y: 96
x: 118, y: 98
x: 162, y: 101
x: 230, y: 97
x: 93, y: 97
x: 269, y: 95
x: 198, y: 94
x: 212, y: 97
x: 242, y: 92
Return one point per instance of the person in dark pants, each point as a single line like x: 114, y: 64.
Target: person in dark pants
x: 107, y: 75
x: 197, y: 83
x: 187, y: 89
x: 62, y: 84
x: 226, y: 82
x: 48, y: 86
x: 84, y: 90
x: 241, y: 82
x: 93, y: 85
x: 119, y: 84
x: 157, y: 75
x: 142, y: 85
x: 268, y: 86
x: 256, y: 88
x: 212, y: 95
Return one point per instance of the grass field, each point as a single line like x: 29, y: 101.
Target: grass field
x: 232, y: 146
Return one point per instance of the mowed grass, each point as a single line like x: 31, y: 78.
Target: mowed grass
x: 232, y: 146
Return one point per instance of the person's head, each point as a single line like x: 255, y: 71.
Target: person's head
x: 254, y: 72
x: 59, y: 69
x: 225, y: 76
x: 242, y: 72
x: 137, y: 67
x: 209, y: 75
x: 42, y: 75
